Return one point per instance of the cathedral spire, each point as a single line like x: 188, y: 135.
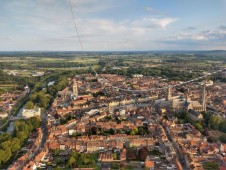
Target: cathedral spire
x: 203, y: 100
x: 168, y: 94
x: 75, y: 88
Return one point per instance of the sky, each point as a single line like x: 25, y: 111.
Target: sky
x: 112, y: 25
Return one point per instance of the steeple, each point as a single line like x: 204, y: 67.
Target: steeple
x: 203, y: 100
x: 75, y: 88
x: 168, y: 94
x: 187, y: 94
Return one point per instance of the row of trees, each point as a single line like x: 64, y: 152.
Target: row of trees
x: 137, y: 131
x: 60, y: 65
x: 11, y: 144
x: 18, y: 80
x: 43, y: 98
x: 217, y: 123
x: 209, y: 122
x: 81, y: 160
x: 40, y: 98
x: 156, y: 71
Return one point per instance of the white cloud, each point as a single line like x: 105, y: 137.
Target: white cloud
x: 154, y: 11
x: 161, y: 23
x: 199, y: 37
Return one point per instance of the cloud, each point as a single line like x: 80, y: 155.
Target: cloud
x: 223, y: 27
x: 160, y: 23
x: 84, y: 7
x: 206, y: 39
x: 154, y: 11
x: 6, y: 38
x: 189, y: 29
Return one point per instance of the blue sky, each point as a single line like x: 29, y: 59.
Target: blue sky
x: 113, y: 25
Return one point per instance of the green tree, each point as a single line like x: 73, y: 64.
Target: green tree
x: 15, y: 144
x: 6, y: 145
x: 71, y: 161
x: 2, y: 153
x: 112, y: 131
x: 29, y: 105
x: 141, y: 131
x: 223, y: 138
x: 56, y: 152
x: 222, y: 126
x: 35, y: 122
x: 212, y: 139
x: 21, y: 135
x: 114, y: 155
x: 215, y: 122
x: 211, y: 166
x: 135, y: 130
x: 4, y: 137
x: 132, y: 132
x: 43, y: 100
x: 198, y: 126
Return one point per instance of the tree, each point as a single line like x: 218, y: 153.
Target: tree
x: 198, y: 126
x: 71, y: 161
x: 56, y: 152
x: 223, y: 138
x: 212, y: 139
x: 141, y: 131
x: 15, y: 144
x: 93, y: 130
x: 132, y: 132
x: 211, y: 165
x: 2, y: 153
x: 4, y: 137
x: 21, y: 135
x: 29, y: 105
x: 214, y: 122
x: 6, y: 154
x: 112, y: 131
x: 35, y: 122
x: 114, y: 155
x: 135, y: 130
x: 6, y: 145
x: 42, y: 99
x: 222, y: 126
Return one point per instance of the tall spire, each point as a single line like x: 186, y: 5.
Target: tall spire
x: 168, y: 94
x: 203, y: 101
x: 75, y: 88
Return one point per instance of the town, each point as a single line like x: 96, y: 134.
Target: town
x: 90, y: 124
x: 112, y: 85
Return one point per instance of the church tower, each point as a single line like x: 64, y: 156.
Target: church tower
x: 203, y: 99
x: 168, y: 94
x: 75, y: 88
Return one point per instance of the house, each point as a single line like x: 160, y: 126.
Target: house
x: 3, y: 114
x: 149, y: 164
x: 30, y: 166
x: 194, y: 115
x: 123, y: 155
x: 27, y: 113
x: 39, y: 158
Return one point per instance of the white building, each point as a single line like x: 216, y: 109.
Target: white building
x: 137, y: 75
x: 3, y: 114
x: 27, y: 113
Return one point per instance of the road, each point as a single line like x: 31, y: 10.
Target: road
x: 180, y: 156
x: 44, y: 129
x: 43, y: 140
x: 6, y: 122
